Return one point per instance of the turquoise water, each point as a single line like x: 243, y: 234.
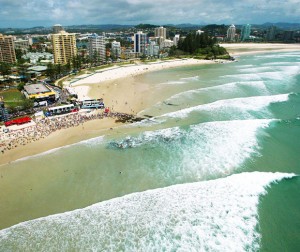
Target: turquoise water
x: 232, y: 130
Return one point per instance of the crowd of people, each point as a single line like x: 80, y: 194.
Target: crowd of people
x: 43, y: 127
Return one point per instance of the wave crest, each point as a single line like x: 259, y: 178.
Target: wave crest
x: 217, y: 215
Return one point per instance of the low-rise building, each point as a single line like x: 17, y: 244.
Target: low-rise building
x: 22, y: 44
x: 167, y: 43
x: 39, y: 92
x: 36, y: 57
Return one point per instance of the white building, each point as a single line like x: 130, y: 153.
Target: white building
x: 153, y: 49
x: 140, y: 41
x: 34, y: 58
x: 116, y: 49
x: 199, y: 32
x: 231, y: 33
x: 97, y: 47
x: 176, y: 39
x: 167, y: 43
x: 22, y: 44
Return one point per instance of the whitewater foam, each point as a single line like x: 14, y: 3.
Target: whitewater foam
x: 277, y: 56
x: 255, y: 69
x: 223, y: 88
x: 174, y: 82
x: 243, y: 77
x: 241, y: 105
x: 217, y: 215
x: 184, y: 80
x: 201, y: 151
x: 193, y: 78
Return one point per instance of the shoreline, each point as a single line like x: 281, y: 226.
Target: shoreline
x: 60, y: 138
x: 123, y: 90
x: 83, y: 86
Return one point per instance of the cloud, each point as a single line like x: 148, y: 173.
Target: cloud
x: 19, y: 12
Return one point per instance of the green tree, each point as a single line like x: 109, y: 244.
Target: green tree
x: 27, y: 104
x: 201, y: 44
x: 19, y: 54
x: 5, y: 68
x: 21, y: 86
x: 50, y: 71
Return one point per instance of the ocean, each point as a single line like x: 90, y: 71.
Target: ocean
x: 214, y: 168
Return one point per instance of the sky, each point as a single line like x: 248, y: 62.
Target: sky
x: 31, y: 13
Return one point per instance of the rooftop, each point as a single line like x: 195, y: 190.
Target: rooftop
x: 36, y: 89
x: 38, y: 68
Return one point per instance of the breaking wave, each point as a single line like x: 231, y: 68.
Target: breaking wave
x: 216, y: 215
x: 225, y: 106
x: 200, y: 151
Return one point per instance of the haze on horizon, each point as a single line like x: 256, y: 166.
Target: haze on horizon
x: 29, y: 13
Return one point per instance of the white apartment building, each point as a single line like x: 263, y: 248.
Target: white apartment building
x: 231, y: 33
x: 116, y: 49
x: 176, y: 39
x: 152, y: 49
x: 167, y: 43
x: 22, y: 44
x: 97, y: 47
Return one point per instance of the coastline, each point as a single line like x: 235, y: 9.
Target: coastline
x: 122, y: 91
x: 60, y: 139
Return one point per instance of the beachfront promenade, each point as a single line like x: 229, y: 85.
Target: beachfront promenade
x: 44, y: 127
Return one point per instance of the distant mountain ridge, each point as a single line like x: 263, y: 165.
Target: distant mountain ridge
x: 113, y: 27
x: 282, y: 25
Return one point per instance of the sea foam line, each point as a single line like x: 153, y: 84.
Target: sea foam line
x: 216, y: 215
x: 229, y: 87
x: 88, y: 142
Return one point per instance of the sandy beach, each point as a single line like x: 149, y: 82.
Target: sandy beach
x: 123, y: 90
x: 61, y: 138
x: 136, y: 69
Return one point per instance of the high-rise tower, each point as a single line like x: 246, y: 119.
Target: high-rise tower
x: 7, y: 49
x: 97, y: 47
x: 231, y: 33
x: 140, y: 40
x: 160, y: 32
x: 246, y: 30
x: 64, y: 47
